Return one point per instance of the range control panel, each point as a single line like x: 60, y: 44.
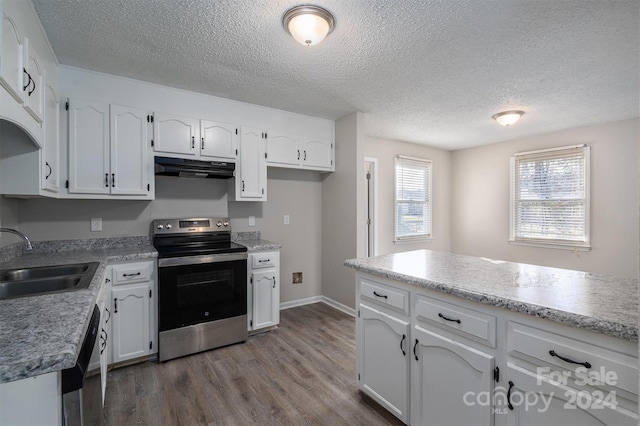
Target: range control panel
x: 191, y: 225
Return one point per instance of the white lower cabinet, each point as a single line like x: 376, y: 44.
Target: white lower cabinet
x: 534, y: 400
x: 452, y: 383
x: 435, y: 359
x: 133, y: 302
x: 383, y: 359
x: 263, y: 291
x: 102, y: 348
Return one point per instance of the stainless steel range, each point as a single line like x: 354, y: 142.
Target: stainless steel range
x: 202, y: 286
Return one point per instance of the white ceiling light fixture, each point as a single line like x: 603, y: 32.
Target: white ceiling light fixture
x: 308, y: 25
x: 508, y: 118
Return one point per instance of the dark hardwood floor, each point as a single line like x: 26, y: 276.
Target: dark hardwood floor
x: 301, y: 373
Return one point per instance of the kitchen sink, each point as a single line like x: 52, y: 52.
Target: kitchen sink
x: 46, y: 279
x: 44, y: 272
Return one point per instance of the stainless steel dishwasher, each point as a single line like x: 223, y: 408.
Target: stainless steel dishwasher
x: 80, y: 407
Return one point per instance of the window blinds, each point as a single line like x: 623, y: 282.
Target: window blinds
x: 413, y: 198
x: 550, y: 199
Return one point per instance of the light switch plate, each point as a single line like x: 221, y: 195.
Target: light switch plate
x: 252, y: 221
x: 286, y: 219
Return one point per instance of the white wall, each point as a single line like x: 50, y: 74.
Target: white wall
x: 386, y: 151
x: 8, y: 219
x: 294, y: 192
x: 297, y: 193
x: 342, y: 205
x: 8, y: 214
x: 480, y: 200
x: 50, y: 219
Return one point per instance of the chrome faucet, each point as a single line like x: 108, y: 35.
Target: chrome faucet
x: 20, y: 234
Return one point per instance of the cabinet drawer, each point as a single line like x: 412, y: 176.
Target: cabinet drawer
x: 132, y: 273
x: 385, y: 295
x: 605, y: 367
x: 263, y: 260
x: 460, y: 320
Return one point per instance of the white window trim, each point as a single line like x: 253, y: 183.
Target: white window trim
x: 411, y: 239
x: 587, y: 187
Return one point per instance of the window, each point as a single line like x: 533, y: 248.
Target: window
x: 413, y: 199
x: 550, y: 197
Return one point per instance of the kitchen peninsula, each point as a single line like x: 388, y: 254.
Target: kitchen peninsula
x: 438, y: 330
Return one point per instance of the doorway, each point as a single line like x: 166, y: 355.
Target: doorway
x: 371, y: 189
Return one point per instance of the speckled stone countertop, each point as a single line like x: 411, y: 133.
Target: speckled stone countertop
x: 42, y: 334
x: 597, y: 302
x: 253, y: 241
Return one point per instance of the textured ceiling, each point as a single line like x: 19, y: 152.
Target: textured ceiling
x: 424, y: 71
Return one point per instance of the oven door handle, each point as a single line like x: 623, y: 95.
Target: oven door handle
x: 197, y: 260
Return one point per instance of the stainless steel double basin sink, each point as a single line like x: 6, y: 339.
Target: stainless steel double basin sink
x: 45, y: 279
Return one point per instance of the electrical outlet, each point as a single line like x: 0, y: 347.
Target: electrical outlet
x: 286, y: 219
x: 252, y: 221
x: 96, y: 224
x: 297, y: 277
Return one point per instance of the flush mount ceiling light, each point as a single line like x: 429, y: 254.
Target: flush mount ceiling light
x: 308, y: 25
x: 507, y: 118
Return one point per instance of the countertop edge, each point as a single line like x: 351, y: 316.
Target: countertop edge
x: 258, y: 245
x: 614, y: 329
x: 32, y: 366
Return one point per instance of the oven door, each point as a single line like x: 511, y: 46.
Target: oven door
x: 197, y: 289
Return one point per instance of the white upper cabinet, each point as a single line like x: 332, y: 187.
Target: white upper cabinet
x: 34, y: 84
x: 129, y: 151
x: 89, y: 147
x: 179, y: 136
x: 283, y: 149
x: 301, y: 152
x: 11, y: 62
x: 22, y: 70
x: 108, y: 150
x: 218, y: 140
x: 174, y: 134
x: 317, y: 154
x: 51, y: 163
x: 251, y: 169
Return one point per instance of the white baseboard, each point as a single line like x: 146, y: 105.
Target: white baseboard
x: 315, y: 299
x: 300, y: 302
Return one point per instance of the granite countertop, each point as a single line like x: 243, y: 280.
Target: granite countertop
x: 42, y: 334
x: 597, y: 302
x: 253, y: 241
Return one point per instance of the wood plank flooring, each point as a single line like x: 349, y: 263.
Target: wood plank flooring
x: 301, y: 373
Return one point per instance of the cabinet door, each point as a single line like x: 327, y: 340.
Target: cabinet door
x: 129, y: 151
x: 537, y: 400
x: 11, y: 63
x: 251, y: 175
x: 174, y: 134
x: 89, y: 147
x: 130, y: 321
x: 283, y: 149
x: 383, y: 359
x: 105, y: 349
x: 218, y: 140
x: 450, y: 383
x: 317, y: 153
x: 265, y: 299
x: 34, y: 92
x: 51, y: 163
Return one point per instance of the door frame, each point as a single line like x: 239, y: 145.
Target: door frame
x: 371, y: 189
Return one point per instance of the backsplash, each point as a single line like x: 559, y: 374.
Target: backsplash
x: 17, y: 249
x: 246, y: 236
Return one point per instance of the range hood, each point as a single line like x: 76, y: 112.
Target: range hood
x: 166, y: 166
